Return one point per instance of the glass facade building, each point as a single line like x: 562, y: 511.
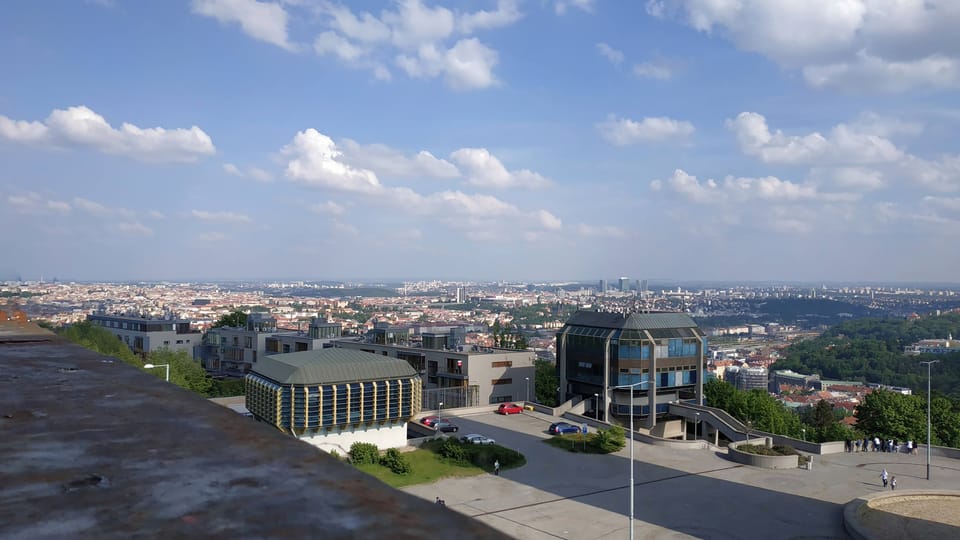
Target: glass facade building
x: 661, y: 354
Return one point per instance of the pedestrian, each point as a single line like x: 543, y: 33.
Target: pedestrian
x: 910, y: 446
x: 876, y: 444
x: 438, y: 500
x: 883, y: 477
x: 893, y: 483
x: 496, y: 468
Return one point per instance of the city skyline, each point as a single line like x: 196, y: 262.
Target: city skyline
x: 670, y: 139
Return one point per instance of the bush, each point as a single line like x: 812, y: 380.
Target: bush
x: 762, y: 450
x: 453, y: 450
x: 484, y: 456
x: 396, y: 462
x: 364, y: 453
x: 609, y: 440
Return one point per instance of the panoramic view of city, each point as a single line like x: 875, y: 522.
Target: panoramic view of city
x: 484, y: 269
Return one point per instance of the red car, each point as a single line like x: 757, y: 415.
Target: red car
x: 429, y: 421
x: 509, y: 408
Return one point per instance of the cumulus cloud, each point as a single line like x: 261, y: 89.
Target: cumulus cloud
x: 314, y: 159
x: 600, y: 231
x: 134, y: 228
x: 740, y: 189
x: 386, y: 161
x: 483, y: 169
x: 263, y: 21
x: 613, y: 55
x: 624, y: 131
x: 255, y: 173
x: 843, y: 145
x: 328, y: 208
x: 422, y: 41
x: 658, y: 68
x: 856, y: 45
x: 80, y: 126
x: 220, y: 217
x: 548, y: 220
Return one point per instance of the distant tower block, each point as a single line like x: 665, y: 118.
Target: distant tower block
x: 603, y: 286
x: 624, y: 284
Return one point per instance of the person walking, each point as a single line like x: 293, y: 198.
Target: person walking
x: 883, y: 477
x: 893, y: 483
x: 496, y: 469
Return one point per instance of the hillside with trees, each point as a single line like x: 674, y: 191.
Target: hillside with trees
x: 871, y: 350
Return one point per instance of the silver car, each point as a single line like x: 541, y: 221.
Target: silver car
x: 476, y: 438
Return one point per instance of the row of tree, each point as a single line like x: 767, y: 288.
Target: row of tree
x: 892, y: 415
x: 184, y: 370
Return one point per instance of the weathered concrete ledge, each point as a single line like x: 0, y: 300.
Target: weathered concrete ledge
x: 93, y: 448
x: 756, y: 460
x: 867, y: 517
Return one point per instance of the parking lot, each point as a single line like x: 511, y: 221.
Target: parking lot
x: 678, y: 493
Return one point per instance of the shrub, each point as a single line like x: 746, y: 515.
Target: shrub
x: 484, y: 456
x: 364, y: 453
x: 453, y: 450
x: 396, y: 462
x: 762, y: 450
x: 609, y: 440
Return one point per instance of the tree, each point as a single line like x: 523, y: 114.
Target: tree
x: 185, y: 372
x: 234, y: 319
x: 546, y: 382
x: 892, y: 415
x: 822, y: 415
x: 100, y: 340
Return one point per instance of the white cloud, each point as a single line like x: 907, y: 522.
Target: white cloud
x: 328, y: 208
x: 314, y: 159
x: 611, y: 54
x: 32, y: 202
x: 658, y: 69
x: 389, y: 162
x: 483, y: 169
x: 211, y: 237
x: 624, y: 131
x: 134, y: 228
x: 857, y: 45
x: 92, y: 207
x: 548, y: 220
x: 468, y: 65
x: 600, y: 231
x: 80, y: 126
x: 232, y: 169
x: 255, y: 173
x: 741, y: 189
x: 506, y: 14
x: 220, y: 217
x: 264, y: 21
x: 843, y: 145
x: 417, y: 39
x: 853, y: 178
x: 561, y: 6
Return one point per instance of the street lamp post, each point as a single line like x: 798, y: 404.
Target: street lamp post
x: 151, y: 366
x: 928, y: 363
x: 439, y: 410
x: 696, y: 427
x: 528, y: 388
x: 804, y: 431
x: 630, y: 442
x: 596, y: 410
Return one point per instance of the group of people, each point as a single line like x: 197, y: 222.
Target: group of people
x: 874, y: 444
x: 892, y: 480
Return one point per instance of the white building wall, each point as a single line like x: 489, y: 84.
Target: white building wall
x: 387, y: 436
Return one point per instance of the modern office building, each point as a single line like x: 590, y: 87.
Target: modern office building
x: 148, y: 334
x: 332, y: 398
x: 233, y: 351
x: 782, y: 378
x: 624, y: 284
x: 747, y: 378
x: 662, y: 353
x: 603, y: 286
x: 461, y: 376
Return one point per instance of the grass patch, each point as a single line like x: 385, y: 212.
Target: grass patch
x: 428, y: 464
x: 602, y: 441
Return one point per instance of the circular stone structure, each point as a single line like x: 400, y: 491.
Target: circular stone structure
x: 904, y: 515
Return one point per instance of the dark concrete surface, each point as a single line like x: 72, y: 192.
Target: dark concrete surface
x: 93, y: 448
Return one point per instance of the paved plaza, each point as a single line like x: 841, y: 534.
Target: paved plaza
x: 678, y: 493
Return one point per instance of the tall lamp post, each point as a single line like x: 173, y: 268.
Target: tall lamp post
x: 596, y: 410
x: 528, y: 388
x: 630, y: 442
x: 696, y: 427
x: 151, y: 366
x: 928, y: 363
x: 439, y: 410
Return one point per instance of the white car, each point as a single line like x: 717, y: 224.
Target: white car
x: 476, y: 438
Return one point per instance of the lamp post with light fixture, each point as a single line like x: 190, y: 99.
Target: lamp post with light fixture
x: 151, y: 366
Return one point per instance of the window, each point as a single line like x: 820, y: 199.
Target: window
x: 506, y: 363
x: 179, y: 342
x: 496, y: 382
x: 248, y: 342
x: 165, y: 342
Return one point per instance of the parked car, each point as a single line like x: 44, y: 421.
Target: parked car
x: 563, y: 427
x: 429, y: 421
x: 446, y: 426
x: 509, y: 408
x: 476, y: 438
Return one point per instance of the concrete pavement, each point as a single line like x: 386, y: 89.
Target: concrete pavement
x: 678, y: 493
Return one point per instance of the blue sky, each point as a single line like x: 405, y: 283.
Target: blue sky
x: 535, y: 140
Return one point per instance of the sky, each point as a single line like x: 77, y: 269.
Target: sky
x: 529, y: 140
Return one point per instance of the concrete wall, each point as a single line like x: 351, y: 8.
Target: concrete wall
x: 940, y: 451
x: 764, y: 462
x: 388, y: 436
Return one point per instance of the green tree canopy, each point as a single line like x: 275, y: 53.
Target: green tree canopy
x: 185, y: 372
x: 546, y: 382
x: 234, y: 319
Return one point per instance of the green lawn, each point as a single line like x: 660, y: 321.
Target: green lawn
x: 425, y: 467
x: 594, y: 443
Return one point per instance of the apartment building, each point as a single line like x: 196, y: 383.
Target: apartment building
x: 145, y: 334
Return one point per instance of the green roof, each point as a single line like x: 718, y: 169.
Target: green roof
x: 633, y: 321
x: 331, y: 366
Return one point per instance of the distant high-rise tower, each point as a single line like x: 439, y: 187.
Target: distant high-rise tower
x: 624, y: 284
x: 643, y: 288
x: 603, y: 286
x: 461, y: 295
